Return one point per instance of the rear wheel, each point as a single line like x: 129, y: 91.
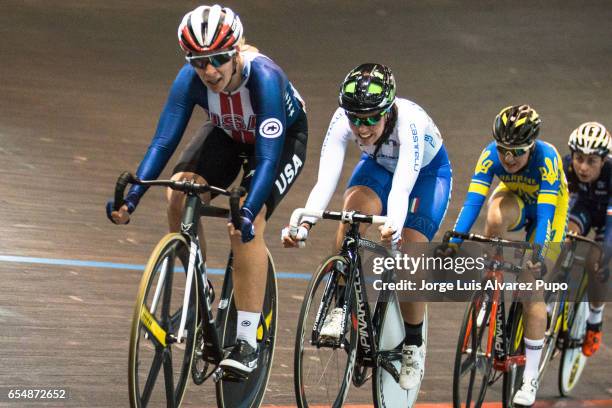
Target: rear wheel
x: 159, y: 367
x: 472, y: 366
x: 250, y: 392
x: 322, y: 370
x: 386, y: 390
x: 553, y: 325
x: 572, y: 360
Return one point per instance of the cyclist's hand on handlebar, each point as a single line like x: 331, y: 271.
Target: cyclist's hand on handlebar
x: 293, y: 238
x: 389, y: 235
x: 121, y: 216
x: 535, y: 268
x: 446, y: 250
x: 247, y: 229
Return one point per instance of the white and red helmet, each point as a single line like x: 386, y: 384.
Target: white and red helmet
x: 210, y: 29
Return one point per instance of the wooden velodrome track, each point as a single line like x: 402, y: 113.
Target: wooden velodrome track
x: 82, y: 84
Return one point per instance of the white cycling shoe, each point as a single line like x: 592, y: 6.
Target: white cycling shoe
x: 526, y: 396
x: 332, y: 324
x: 413, y: 366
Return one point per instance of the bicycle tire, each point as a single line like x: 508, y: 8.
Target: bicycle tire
x: 554, y: 322
x: 472, y: 345
x: 322, y: 394
x: 249, y: 393
x: 513, y: 378
x: 386, y: 392
x: 154, y: 323
x: 573, y: 361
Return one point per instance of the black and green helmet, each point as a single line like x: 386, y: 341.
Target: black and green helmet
x: 367, y: 88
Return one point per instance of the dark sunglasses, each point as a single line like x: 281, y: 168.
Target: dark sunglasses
x: 368, y: 121
x: 200, y: 61
x: 514, y: 151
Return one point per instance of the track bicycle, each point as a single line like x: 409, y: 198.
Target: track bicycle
x: 176, y: 330
x: 324, y: 368
x: 575, y: 313
x: 490, y: 344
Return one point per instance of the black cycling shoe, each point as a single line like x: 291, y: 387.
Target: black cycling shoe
x: 242, y: 360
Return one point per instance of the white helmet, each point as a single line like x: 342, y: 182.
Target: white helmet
x: 209, y: 29
x: 590, y: 138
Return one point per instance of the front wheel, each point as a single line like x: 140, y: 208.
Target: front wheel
x: 322, y: 371
x: 385, y: 389
x: 472, y: 366
x: 249, y: 393
x: 513, y: 378
x: 159, y: 366
x: 554, y: 320
x: 572, y: 360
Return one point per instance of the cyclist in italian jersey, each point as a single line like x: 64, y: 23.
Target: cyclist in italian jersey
x: 589, y: 175
x: 256, y: 121
x: 532, y: 194
x: 404, y: 172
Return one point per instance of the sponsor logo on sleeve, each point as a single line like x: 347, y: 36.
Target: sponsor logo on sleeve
x: 271, y: 128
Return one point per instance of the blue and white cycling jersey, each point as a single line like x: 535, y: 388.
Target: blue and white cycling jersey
x: 413, y: 144
x: 259, y: 112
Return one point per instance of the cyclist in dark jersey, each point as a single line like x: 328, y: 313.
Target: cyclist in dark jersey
x: 589, y: 175
x: 257, y: 123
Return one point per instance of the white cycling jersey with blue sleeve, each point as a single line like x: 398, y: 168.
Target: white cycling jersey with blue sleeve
x: 412, y: 145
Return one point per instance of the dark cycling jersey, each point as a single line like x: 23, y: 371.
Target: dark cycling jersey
x: 259, y: 112
x: 591, y: 203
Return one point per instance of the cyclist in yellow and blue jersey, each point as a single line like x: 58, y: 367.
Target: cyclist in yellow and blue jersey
x: 532, y: 194
x: 540, y: 190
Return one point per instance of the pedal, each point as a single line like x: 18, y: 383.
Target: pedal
x: 229, y: 375
x: 390, y: 368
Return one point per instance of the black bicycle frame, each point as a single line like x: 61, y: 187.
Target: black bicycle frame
x: 367, y: 348
x: 189, y: 228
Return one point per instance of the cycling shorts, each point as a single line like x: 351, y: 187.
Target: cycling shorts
x: 218, y: 158
x: 527, y: 221
x: 583, y: 215
x: 429, y: 197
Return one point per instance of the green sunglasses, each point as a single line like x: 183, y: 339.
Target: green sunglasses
x: 368, y: 121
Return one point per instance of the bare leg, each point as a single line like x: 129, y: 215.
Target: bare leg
x: 250, y: 268
x: 362, y: 199
x: 412, y: 312
x: 176, y: 204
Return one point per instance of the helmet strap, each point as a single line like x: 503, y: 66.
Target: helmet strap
x: 389, y: 126
x: 234, y: 70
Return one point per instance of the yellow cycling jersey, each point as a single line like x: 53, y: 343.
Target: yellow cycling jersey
x: 540, y: 188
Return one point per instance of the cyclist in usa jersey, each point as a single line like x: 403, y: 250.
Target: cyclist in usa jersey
x: 532, y: 194
x: 256, y: 122
x: 589, y: 174
x: 404, y: 173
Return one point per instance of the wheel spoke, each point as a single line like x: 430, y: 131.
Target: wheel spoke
x: 469, y: 393
x: 167, y: 296
x: 152, y: 377
x: 168, y: 377
x: 468, y: 364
